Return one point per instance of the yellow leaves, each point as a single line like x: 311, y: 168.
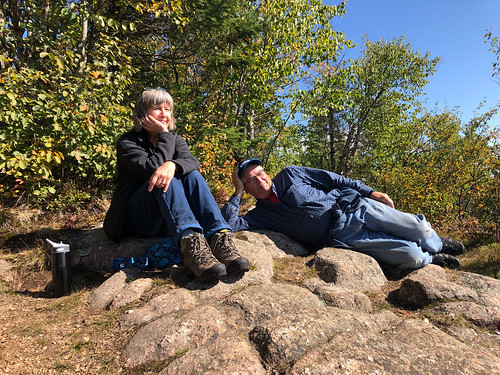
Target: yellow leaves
x: 104, y: 118
x: 58, y: 157
x: 77, y: 155
x: 91, y: 128
x: 6, y: 59
x: 46, y: 156
x: 104, y: 150
x: 12, y: 97
x: 33, y: 166
x: 60, y: 65
x: 22, y: 164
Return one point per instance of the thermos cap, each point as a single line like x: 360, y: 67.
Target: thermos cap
x: 58, y: 247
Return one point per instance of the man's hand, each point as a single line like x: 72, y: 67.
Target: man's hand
x: 238, y: 184
x: 382, y: 198
x: 162, y: 176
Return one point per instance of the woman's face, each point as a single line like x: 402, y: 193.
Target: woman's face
x: 161, y: 113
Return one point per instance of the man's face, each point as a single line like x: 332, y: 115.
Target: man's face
x: 257, y: 182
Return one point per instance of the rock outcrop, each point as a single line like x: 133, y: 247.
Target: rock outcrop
x: 348, y: 317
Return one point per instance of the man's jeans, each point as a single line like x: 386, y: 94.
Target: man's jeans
x: 187, y: 206
x: 388, y: 235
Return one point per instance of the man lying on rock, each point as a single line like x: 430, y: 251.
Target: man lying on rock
x: 323, y: 209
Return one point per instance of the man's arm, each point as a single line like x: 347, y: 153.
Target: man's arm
x: 231, y: 209
x: 239, y: 187
x: 314, y: 184
x: 318, y: 182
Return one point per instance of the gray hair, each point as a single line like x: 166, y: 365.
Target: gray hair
x: 149, y: 98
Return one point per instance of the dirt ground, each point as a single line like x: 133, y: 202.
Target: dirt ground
x: 40, y: 334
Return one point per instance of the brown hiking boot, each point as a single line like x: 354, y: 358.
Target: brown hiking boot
x: 225, y: 251
x: 198, y: 258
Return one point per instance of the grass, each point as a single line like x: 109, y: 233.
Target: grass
x: 163, y: 281
x: 154, y: 367
x: 65, y: 305
x: 33, y: 330
x: 78, y: 345
x: 293, y: 270
x: 484, y: 260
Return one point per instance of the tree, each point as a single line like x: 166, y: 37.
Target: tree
x: 70, y: 70
x: 233, y: 67
x: 61, y: 100
x: 354, y: 109
x: 438, y: 166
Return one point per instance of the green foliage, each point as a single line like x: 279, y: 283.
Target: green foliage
x: 436, y: 165
x: 249, y: 78
x: 231, y: 67
x: 59, y: 132
x: 70, y: 199
x: 60, y: 108
x: 351, y: 107
x: 364, y: 122
x: 485, y: 260
x: 495, y: 48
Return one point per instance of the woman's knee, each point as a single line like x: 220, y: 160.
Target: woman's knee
x: 193, y: 176
x: 175, y: 188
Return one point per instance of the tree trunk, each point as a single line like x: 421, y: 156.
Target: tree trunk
x: 83, y: 38
x: 332, y: 125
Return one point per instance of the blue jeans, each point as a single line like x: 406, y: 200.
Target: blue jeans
x: 187, y: 206
x: 388, y: 235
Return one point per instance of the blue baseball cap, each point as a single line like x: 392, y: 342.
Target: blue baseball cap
x: 244, y: 164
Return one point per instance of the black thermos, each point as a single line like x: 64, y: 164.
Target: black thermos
x: 61, y: 269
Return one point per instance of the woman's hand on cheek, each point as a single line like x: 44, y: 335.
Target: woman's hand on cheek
x: 153, y: 126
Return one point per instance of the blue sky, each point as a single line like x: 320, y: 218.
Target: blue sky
x: 451, y: 29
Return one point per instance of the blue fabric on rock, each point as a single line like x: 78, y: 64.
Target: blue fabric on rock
x: 161, y: 255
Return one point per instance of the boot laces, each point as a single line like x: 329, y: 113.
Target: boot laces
x: 226, y: 246
x: 200, y: 253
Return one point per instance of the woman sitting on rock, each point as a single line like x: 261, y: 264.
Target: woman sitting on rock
x: 160, y: 192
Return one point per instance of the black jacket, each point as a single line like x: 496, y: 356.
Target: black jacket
x: 137, y: 161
